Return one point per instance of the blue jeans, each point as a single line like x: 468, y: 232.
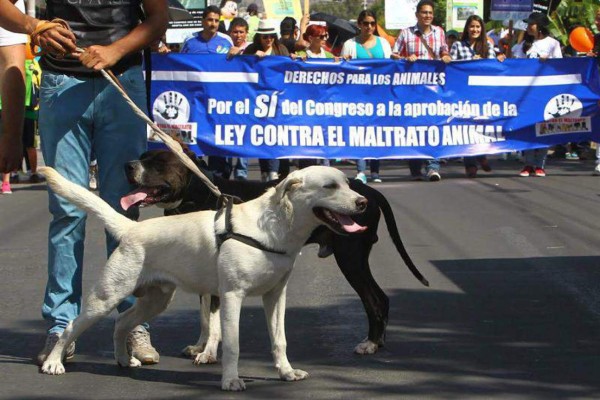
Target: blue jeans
x: 79, y: 115
x: 361, y: 166
x: 268, y: 165
x: 416, y: 164
x: 536, y: 158
x: 241, y: 168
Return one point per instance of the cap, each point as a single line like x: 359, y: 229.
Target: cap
x: 538, y: 19
x: 452, y: 32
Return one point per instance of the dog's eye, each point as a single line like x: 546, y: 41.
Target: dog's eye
x: 331, y: 186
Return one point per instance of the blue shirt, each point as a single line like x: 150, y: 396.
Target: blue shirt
x: 218, y: 44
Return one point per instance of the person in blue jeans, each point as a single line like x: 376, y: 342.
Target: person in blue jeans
x: 365, y: 46
x: 81, y: 113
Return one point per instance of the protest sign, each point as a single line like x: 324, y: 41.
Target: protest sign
x: 275, y: 107
x: 458, y: 11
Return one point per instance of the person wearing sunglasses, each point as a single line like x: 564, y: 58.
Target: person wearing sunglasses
x: 423, y: 41
x: 265, y: 43
x: 364, y: 46
x: 316, y: 36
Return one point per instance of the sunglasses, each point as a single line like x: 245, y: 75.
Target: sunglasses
x: 322, y: 37
x: 369, y: 23
x: 268, y: 37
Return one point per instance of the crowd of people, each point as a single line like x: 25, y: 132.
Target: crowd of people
x: 82, y: 117
x: 423, y: 41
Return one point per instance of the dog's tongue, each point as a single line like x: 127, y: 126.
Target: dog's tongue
x: 348, y: 224
x: 132, y: 198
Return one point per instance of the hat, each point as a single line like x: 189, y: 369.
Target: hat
x: 538, y: 19
x: 266, y: 27
x: 452, y: 32
x: 287, y: 25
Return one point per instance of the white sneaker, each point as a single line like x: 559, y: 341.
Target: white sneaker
x: 361, y: 177
x: 140, y: 347
x: 433, y: 176
x: 596, y: 170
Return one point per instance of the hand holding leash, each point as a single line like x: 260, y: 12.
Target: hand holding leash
x: 53, y: 37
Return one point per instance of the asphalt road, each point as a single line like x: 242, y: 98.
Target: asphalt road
x: 512, y: 312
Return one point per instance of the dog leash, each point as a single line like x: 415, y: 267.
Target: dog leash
x: 171, y: 143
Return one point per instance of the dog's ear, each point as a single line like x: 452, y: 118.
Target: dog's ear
x: 282, y: 190
x: 288, y: 184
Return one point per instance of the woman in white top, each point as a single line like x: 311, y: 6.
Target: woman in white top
x: 364, y: 46
x: 542, y: 47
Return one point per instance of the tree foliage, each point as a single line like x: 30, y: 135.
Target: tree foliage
x: 570, y: 14
x: 346, y: 9
x: 349, y: 10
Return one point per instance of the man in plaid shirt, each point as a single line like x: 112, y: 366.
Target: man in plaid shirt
x: 410, y: 43
x: 424, y: 41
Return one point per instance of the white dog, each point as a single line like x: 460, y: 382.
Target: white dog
x: 193, y: 251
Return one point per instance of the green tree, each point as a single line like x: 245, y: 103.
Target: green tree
x: 347, y: 9
x: 570, y: 14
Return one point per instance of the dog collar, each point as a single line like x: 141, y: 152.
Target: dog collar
x: 230, y: 234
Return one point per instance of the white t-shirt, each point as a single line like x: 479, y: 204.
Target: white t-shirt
x: 8, y: 38
x: 545, y: 48
x: 517, y: 51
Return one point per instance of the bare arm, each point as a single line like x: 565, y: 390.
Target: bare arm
x: 14, y: 20
x: 149, y: 31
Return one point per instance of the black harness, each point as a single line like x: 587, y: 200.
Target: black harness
x: 230, y: 234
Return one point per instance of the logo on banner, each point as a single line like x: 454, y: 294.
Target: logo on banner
x: 171, y: 111
x: 561, y: 106
x: 562, y: 114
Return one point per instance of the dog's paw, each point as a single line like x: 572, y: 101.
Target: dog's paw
x: 205, y: 358
x: 233, y: 385
x: 128, y: 362
x: 53, y: 368
x: 366, y: 347
x: 294, y: 375
x: 193, y: 350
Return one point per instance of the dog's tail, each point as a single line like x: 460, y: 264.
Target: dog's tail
x: 114, y: 222
x: 390, y: 221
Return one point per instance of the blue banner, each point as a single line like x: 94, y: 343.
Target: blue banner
x: 276, y: 107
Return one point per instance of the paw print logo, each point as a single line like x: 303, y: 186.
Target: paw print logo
x: 563, y: 105
x: 171, y: 108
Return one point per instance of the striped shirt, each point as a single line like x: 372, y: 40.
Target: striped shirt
x: 463, y: 51
x: 410, y: 42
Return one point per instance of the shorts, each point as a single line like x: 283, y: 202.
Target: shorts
x: 8, y: 38
x: 28, y: 133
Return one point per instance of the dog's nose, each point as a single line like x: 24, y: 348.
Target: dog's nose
x: 361, y: 203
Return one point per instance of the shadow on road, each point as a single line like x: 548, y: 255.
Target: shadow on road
x: 517, y: 327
